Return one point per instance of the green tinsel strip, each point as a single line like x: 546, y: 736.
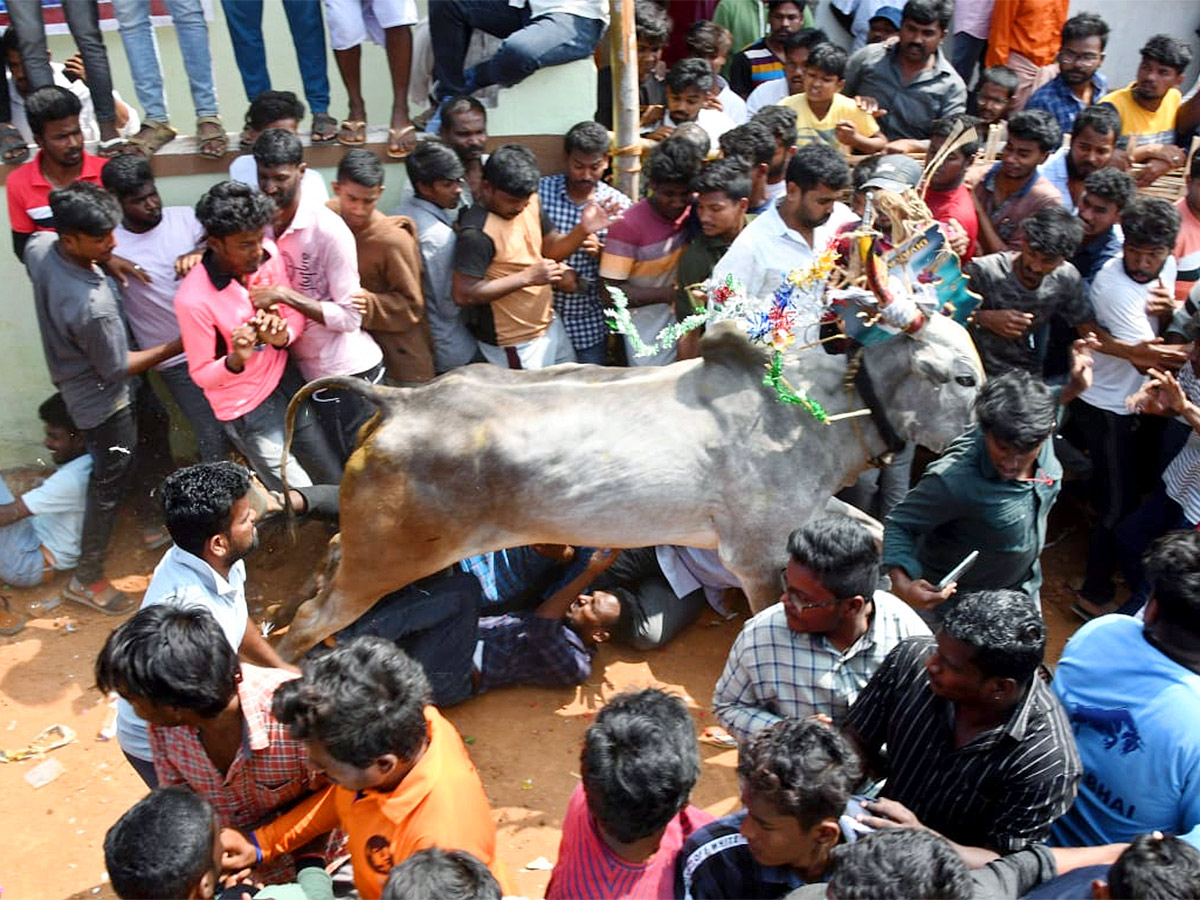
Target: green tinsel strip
x: 785, y: 393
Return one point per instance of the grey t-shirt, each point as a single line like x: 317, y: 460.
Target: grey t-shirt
x: 84, y: 335
x: 1061, y: 292
x: 935, y: 93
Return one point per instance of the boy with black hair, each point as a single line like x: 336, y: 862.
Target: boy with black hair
x: 753, y: 145
x: 641, y: 255
x: 762, y: 61
x: 823, y: 113
x: 948, y: 198
x: 796, y: 777
x: 796, y: 48
x: 995, y: 95
x: 1154, y: 865
x: 1094, y: 139
x: 652, y: 29
x: 1079, y: 83
x: 1106, y: 195
x: 273, y: 109
x: 712, y: 42
x: 391, y: 302
x: 400, y: 770
x: 690, y: 82
x: 453, y: 875
x: 626, y: 821
x: 781, y: 122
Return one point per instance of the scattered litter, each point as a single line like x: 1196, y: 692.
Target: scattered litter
x: 44, y: 773
x: 109, y: 729
x: 266, y: 627
x: 50, y: 739
x: 541, y: 864
x: 69, y: 627
x: 716, y: 736
x: 468, y: 740
x: 527, y: 784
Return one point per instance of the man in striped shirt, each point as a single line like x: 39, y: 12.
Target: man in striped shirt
x: 979, y: 749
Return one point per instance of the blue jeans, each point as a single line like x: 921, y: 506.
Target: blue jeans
x: 878, y: 491
x: 259, y: 436
x: 529, y: 44
x: 965, y: 55
x: 211, y: 441
x: 141, y: 49
x: 21, y: 560
x: 597, y: 354
x: 244, y: 18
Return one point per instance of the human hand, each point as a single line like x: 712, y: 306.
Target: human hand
x: 1161, y: 301
x: 1151, y: 171
x: 271, y: 328
x: 245, y: 339
x: 651, y: 114
x: 267, y: 296
x: 889, y: 814
x: 921, y: 594
x: 1007, y: 323
x: 1154, y: 354
x: 545, y: 271
x: 185, y: 262
x: 74, y: 68
x: 1162, y: 395
x: 956, y: 236
x: 360, y: 300
x: 569, y: 283
x: 1083, y: 363
x: 870, y: 106
x: 712, y: 101
x: 602, y: 558
x: 845, y: 132
x: 598, y: 216
x: 123, y: 269
x: 592, y: 245
x: 237, y: 851
x: 661, y: 133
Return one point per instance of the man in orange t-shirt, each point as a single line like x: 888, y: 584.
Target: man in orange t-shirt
x: 403, y: 780
x: 1026, y: 36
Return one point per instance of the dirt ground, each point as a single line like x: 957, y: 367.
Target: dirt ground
x: 525, y: 741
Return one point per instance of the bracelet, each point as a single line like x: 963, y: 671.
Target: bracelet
x: 257, y: 849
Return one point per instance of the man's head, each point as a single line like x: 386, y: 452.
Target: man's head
x: 670, y: 170
x: 709, y: 41
x: 1016, y: 413
x: 11, y: 47
x: 464, y: 128
x: 652, y: 30
x: 1151, y: 225
x: 781, y: 122
x: 234, y: 216
x: 279, y: 156
x: 358, y: 187
x: 899, y: 864
x: 754, y: 145
x: 784, y: 17
x: 64, y: 441
x: 997, y: 89
x: 586, y: 146
x: 436, y: 172
x: 510, y: 178
x: 360, y: 711
x: 1051, y: 237
x: 1094, y: 137
x: 1193, y: 184
x: 53, y: 116
x: 165, y: 847
x: 693, y: 134
x: 1152, y: 867
x: 832, y: 573
x: 1164, y: 59
x: 722, y: 196
x: 796, y: 48
x: 445, y: 874
x: 953, y: 170
x: 988, y: 648
x: 1032, y: 135
x: 923, y: 25
x: 206, y: 508
x: 595, y: 616
x: 796, y: 777
x: 689, y: 82
x: 825, y: 73
x: 639, y: 764
x: 130, y: 179
x: 173, y: 664
x: 275, y: 109
x: 1173, y: 568
x: 816, y: 177
x: 884, y: 24
x: 1106, y: 195
x: 85, y: 216
x: 1084, y: 37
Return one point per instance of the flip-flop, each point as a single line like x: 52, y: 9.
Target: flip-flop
x: 324, y: 128
x: 117, y: 604
x: 13, y: 149
x: 112, y: 147
x: 352, y: 133
x: 396, y: 140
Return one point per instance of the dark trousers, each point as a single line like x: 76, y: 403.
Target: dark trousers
x: 1141, y: 528
x: 244, y: 18
x: 656, y: 614
x: 113, y: 447
x: 342, y: 413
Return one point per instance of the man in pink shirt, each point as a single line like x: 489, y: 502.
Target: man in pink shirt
x: 322, y: 263
x: 236, y: 352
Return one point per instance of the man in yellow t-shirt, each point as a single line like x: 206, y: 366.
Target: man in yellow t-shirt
x: 823, y: 113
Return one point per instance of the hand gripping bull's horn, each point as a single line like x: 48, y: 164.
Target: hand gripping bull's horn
x: 894, y: 306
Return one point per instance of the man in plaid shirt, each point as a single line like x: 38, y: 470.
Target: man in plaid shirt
x: 563, y: 199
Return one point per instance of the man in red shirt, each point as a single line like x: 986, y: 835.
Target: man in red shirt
x: 948, y: 198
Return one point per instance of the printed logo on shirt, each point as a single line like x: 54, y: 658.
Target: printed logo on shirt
x: 1115, y: 726
x: 379, y: 854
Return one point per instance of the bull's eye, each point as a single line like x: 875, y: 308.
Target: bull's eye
x: 965, y: 380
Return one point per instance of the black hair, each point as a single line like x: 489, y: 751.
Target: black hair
x: 230, y: 207
x: 84, y: 208
x: 799, y: 4
x: 513, y: 169
x: 53, y: 411
x: 929, y: 12
x: 361, y: 166
x: 271, y: 106
x: 586, y: 137
x: 1052, y: 231
x: 276, y: 147
x: 1085, y: 25
x: 9, y: 42
x: 1017, y: 408
x: 1111, y: 185
x: 1001, y: 76
x: 752, y: 143
x: 804, y: 768
x: 706, y: 39
x: 840, y: 552
x: 1150, y: 222
x: 455, y: 106
x: 673, y: 162
x: 1101, y: 118
x: 818, y: 163
x: 944, y: 126
x: 639, y: 763
x: 780, y: 121
x: 125, y: 174
x: 1003, y: 628
x: 197, y: 502
x: 1168, y: 51
x: 1038, y: 126
x: 1193, y: 165
x: 171, y: 656
x: 828, y: 58
x: 1156, y: 868
x: 1173, y: 568
x: 690, y: 72
x: 161, y: 846
x: 445, y: 874
x: 651, y: 23
x: 805, y: 37
x: 728, y: 176
x: 362, y: 700
x: 433, y: 161
x: 49, y: 104
x: 899, y: 864
x: 694, y: 137
x: 862, y: 172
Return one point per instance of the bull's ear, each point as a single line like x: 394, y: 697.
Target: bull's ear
x: 932, y: 362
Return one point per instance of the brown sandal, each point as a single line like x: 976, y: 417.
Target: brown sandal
x: 211, y: 140
x: 324, y: 128
x: 352, y: 133
x: 151, y: 138
x: 401, y: 141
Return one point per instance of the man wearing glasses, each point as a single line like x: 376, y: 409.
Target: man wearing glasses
x: 1079, y: 83
x: 813, y: 652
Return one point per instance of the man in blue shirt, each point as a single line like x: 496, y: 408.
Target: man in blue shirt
x: 1079, y: 83
x: 1106, y: 193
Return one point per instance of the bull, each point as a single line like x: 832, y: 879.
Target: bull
x: 699, y: 453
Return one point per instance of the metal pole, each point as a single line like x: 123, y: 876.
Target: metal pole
x: 626, y: 111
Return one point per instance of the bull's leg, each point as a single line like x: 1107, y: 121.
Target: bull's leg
x: 761, y: 590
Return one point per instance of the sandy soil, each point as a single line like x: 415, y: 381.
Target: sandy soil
x: 525, y: 741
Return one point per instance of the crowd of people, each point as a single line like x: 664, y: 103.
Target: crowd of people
x: 900, y: 731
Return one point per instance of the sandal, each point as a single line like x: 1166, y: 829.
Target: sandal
x: 101, y: 596
x: 13, y: 149
x: 112, y: 147
x: 352, y: 133
x: 211, y: 140
x: 401, y: 141
x: 324, y: 128
x: 10, y: 622
x: 151, y: 138
x: 153, y: 538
